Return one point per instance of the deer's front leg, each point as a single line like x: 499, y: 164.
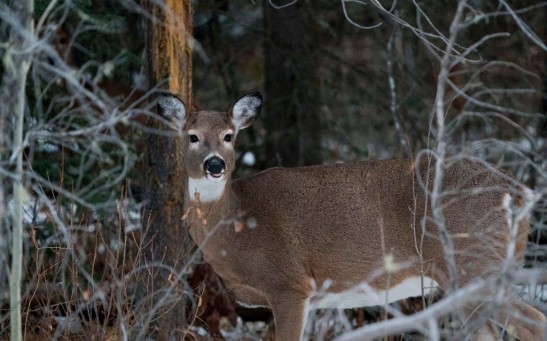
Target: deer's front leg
x: 290, y: 312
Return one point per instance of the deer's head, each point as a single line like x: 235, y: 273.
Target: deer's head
x: 209, y: 136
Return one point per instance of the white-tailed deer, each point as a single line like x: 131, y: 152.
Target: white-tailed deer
x: 303, y: 238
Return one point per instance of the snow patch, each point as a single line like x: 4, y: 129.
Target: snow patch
x: 249, y: 159
x: 532, y: 292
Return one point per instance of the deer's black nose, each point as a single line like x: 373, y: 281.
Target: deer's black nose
x: 214, y: 166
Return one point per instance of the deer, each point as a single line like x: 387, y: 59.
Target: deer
x: 304, y: 238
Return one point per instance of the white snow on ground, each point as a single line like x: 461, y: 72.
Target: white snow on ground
x: 33, y: 210
x: 243, y: 330
x: 537, y: 292
x: 131, y: 214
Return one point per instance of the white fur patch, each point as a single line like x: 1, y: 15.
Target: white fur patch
x: 358, y: 297
x: 209, y: 190
x: 193, y: 145
x: 528, y: 194
x: 229, y: 145
x: 210, y: 155
x: 506, y: 205
x: 224, y: 132
x: 305, y: 318
x: 251, y: 306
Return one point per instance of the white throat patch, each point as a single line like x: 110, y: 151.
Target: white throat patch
x: 208, y: 190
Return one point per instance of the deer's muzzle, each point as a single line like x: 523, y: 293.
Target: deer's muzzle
x: 214, y: 167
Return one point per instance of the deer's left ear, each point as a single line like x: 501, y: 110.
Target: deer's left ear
x: 245, y: 110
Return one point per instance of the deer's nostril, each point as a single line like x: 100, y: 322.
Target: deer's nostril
x: 214, y: 165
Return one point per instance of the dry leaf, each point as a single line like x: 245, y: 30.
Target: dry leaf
x: 238, y: 226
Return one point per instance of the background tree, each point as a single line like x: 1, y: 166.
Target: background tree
x: 168, y: 37
x: 291, y: 82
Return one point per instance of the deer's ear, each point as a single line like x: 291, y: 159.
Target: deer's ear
x: 245, y: 110
x: 173, y: 110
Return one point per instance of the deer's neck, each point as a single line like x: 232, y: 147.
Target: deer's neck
x: 212, y: 207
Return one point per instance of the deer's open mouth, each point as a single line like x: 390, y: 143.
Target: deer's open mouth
x: 215, y: 176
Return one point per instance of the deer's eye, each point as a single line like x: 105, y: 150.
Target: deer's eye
x: 193, y: 138
x: 228, y: 137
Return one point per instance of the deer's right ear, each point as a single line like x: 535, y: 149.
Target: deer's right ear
x: 173, y: 110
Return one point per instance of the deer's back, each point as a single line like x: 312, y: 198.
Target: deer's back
x: 323, y: 216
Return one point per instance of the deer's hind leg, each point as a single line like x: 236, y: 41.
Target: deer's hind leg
x: 512, y: 319
x: 522, y: 321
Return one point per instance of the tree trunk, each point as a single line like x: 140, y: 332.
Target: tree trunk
x: 292, y: 117
x: 16, y: 64
x: 166, y: 240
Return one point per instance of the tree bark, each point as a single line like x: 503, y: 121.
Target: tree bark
x: 292, y: 117
x: 166, y: 240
